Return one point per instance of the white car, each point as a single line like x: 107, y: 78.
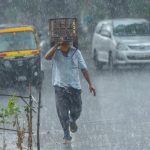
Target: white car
x: 121, y: 41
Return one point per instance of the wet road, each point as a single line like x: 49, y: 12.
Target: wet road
x: 118, y: 118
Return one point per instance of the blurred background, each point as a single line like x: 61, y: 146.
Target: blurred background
x: 88, y: 12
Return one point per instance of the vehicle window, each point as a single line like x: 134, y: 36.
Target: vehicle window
x: 105, y: 30
x: 105, y: 33
x: 17, y: 41
x: 132, y: 29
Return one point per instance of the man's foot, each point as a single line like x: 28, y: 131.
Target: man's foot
x: 67, y: 139
x: 73, y: 126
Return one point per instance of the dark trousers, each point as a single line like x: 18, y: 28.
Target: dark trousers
x: 69, y: 105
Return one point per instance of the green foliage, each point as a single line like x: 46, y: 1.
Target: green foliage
x: 11, y: 110
x: 89, y: 12
x: 139, y: 8
x: 27, y: 108
x: 11, y: 115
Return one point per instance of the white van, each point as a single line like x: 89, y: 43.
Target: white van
x: 121, y: 41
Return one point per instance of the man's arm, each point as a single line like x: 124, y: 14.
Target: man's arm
x: 51, y: 52
x: 87, y: 77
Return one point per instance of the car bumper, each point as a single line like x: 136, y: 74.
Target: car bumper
x: 103, y: 56
x: 132, y: 57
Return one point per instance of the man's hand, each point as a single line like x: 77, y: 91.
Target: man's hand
x: 87, y: 77
x: 92, y: 90
x: 52, y: 51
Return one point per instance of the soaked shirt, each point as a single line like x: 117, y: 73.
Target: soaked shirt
x: 66, y: 69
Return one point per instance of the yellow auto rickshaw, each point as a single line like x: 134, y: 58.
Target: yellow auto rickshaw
x: 20, y: 58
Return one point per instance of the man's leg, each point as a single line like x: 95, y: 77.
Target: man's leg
x: 75, y: 109
x: 62, y: 107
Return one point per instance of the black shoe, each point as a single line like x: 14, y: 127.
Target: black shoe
x: 67, y: 139
x: 73, y: 127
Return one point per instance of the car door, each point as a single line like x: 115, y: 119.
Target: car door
x: 104, y: 42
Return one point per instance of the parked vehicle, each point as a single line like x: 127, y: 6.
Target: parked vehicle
x: 20, y: 58
x: 121, y: 41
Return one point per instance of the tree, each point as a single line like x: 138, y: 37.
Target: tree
x: 118, y: 8
x: 139, y: 8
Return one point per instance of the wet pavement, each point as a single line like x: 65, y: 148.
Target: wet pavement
x: 118, y: 118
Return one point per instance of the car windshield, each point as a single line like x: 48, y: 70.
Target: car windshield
x: 131, y: 28
x: 17, y: 41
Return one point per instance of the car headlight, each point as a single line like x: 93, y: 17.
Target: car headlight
x: 122, y: 47
x: 32, y: 61
x: 7, y: 64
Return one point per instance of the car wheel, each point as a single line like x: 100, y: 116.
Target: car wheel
x: 111, y: 61
x: 99, y: 65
